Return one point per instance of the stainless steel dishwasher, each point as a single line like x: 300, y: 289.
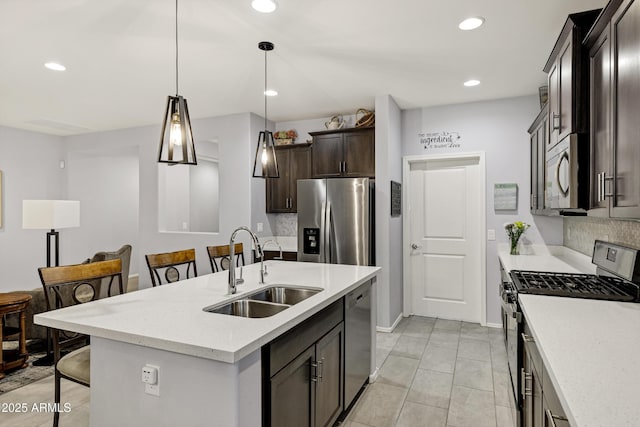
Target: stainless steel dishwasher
x: 357, y: 349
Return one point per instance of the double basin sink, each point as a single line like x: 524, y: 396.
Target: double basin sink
x: 264, y: 302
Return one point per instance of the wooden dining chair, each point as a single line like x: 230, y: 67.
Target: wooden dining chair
x: 219, y: 256
x: 69, y: 285
x: 172, y: 266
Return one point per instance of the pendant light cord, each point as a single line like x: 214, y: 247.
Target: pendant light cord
x: 265, y: 90
x: 177, y: 92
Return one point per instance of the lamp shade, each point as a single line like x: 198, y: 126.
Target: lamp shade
x: 50, y: 214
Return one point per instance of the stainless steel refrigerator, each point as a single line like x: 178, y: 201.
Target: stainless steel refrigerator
x: 336, y: 221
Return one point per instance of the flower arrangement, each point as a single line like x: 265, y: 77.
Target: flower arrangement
x: 515, y: 230
x: 285, y: 136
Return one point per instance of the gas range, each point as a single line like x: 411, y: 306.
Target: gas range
x: 573, y: 285
x: 617, y: 278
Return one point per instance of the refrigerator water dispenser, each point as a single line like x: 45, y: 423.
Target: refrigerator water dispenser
x: 311, y: 241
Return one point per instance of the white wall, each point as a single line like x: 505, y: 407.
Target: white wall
x: 29, y: 162
x: 499, y: 128
x: 232, y: 134
x: 388, y: 228
x: 105, y: 181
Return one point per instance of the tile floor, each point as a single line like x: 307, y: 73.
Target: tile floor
x: 432, y: 373
x: 435, y: 372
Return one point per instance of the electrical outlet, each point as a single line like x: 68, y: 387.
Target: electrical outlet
x: 260, y: 227
x: 491, y: 234
x: 150, y: 376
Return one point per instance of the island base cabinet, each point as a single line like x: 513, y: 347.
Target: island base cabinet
x: 308, y: 391
x: 290, y: 385
x: 329, y: 377
x: 303, y: 372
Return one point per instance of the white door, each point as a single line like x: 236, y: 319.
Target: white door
x: 446, y: 202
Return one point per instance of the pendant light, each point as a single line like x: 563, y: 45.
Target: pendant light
x: 265, y: 164
x: 176, y: 139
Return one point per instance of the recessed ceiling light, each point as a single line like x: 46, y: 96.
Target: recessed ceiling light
x: 270, y: 92
x: 264, y: 6
x: 471, y: 23
x: 470, y: 83
x: 55, y: 66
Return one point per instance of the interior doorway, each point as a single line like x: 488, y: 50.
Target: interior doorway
x: 444, y: 250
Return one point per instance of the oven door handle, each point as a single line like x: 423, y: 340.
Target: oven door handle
x: 512, y: 311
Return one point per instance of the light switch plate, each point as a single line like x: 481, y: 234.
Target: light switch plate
x: 491, y: 234
x: 260, y: 227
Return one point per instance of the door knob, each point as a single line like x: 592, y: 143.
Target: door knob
x: 414, y: 246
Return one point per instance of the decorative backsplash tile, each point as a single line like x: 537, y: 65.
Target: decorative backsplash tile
x: 285, y: 224
x: 581, y: 232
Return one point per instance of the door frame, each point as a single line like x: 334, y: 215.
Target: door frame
x: 407, y: 161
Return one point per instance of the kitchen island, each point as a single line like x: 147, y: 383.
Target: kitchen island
x: 588, y: 347
x: 210, y: 369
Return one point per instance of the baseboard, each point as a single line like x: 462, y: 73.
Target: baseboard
x: 132, y: 284
x: 390, y: 329
x: 374, y: 376
x: 494, y: 325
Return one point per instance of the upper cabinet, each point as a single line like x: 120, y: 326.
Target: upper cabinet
x: 343, y: 153
x: 567, y: 69
x: 614, y: 43
x: 294, y: 163
x: 538, y: 136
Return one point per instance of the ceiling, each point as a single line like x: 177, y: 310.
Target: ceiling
x: 331, y: 56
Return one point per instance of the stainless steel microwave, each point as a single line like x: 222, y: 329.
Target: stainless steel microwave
x: 561, y: 186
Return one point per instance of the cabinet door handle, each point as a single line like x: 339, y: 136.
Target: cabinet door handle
x: 606, y: 178
x: 552, y: 418
x: 320, y: 368
x: 599, y: 180
x: 314, y: 365
x: 344, y: 167
x: 553, y: 121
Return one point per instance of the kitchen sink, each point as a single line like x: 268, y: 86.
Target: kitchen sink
x: 284, y: 294
x: 247, y: 308
x: 264, y: 302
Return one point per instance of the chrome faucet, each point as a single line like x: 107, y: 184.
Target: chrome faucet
x: 264, y: 245
x: 232, y: 268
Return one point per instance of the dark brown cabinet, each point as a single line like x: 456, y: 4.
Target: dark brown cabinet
x: 540, y: 404
x: 568, y: 79
x: 614, y: 44
x: 286, y: 256
x: 343, y: 153
x: 600, y: 119
x: 304, y: 372
x: 538, y: 138
x: 294, y: 163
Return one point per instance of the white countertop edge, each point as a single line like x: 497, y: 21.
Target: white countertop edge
x: 222, y: 355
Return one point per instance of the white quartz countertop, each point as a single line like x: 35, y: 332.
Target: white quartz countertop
x: 590, y: 349
x: 170, y: 317
x: 558, y: 259
x: 287, y: 243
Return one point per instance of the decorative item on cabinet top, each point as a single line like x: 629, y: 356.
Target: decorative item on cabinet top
x: 285, y: 137
x: 335, y: 122
x: 366, y: 118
